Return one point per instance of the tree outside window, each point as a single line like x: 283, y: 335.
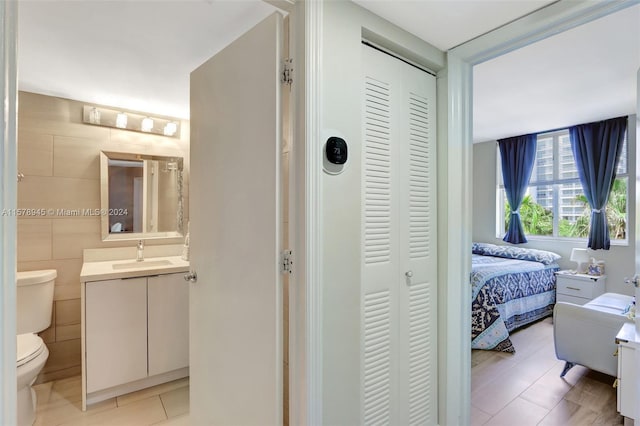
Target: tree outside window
x: 555, y: 205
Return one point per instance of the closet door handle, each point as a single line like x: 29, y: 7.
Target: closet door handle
x: 407, y: 277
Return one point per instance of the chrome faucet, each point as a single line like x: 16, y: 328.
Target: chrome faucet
x: 140, y: 256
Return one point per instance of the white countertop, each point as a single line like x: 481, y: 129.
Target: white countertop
x: 628, y: 334
x: 128, y: 268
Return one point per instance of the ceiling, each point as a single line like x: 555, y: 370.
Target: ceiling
x: 137, y: 54
x: 133, y: 54
x: 448, y: 23
x: 582, y: 75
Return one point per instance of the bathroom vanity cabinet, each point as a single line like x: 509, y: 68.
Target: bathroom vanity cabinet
x: 135, y: 333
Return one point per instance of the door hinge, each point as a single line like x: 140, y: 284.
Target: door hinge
x: 286, y: 262
x: 287, y: 71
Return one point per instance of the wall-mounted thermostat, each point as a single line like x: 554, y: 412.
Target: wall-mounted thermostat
x: 335, y: 152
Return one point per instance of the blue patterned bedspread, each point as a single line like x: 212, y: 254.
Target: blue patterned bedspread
x: 508, y: 294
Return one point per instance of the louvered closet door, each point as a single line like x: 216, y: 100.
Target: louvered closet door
x: 399, y: 359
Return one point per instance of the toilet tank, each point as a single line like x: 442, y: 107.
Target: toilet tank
x: 35, y: 299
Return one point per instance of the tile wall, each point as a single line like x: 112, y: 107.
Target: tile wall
x: 59, y: 156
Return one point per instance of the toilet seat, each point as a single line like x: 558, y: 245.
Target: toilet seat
x: 29, y: 346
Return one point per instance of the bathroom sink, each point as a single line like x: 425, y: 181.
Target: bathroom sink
x: 142, y: 264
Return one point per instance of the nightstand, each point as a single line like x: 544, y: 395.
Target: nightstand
x: 578, y: 288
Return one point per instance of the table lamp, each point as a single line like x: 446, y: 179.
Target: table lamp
x: 581, y: 257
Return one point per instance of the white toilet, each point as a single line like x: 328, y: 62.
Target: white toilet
x: 35, y: 303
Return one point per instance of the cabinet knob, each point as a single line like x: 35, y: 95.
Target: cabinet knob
x: 191, y: 277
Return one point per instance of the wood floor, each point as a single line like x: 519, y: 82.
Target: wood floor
x: 60, y: 403
x: 526, y: 388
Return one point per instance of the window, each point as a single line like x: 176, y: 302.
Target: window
x: 555, y: 205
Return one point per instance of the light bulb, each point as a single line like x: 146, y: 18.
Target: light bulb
x: 147, y: 124
x: 170, y: 129
x: 121, y: 120
x: 94, y: 116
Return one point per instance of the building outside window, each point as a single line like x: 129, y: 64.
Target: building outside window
x: 555, y: 205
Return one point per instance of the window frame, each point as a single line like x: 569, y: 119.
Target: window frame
x: 555, y: 183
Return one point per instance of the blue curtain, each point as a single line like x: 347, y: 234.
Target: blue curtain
x: 518, y: 155
x: 596, y: 150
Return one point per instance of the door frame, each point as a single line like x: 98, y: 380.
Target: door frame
x: 305, y: 201
x: 8, y: 200
x: 545, y: 22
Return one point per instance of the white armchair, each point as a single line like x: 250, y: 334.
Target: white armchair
x: 586, y: 334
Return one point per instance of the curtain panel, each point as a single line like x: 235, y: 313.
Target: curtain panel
x: 596, y: 149
x: 517, y: 156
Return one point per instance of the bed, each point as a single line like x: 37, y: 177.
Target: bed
x: 512, y: 287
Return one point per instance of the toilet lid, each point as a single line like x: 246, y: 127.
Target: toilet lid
x: 28, y: 347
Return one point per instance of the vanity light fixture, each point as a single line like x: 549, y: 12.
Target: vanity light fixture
x: 147, y: 124
x: 170, y: 129
x: 137, y: 122
x: 121, y: 120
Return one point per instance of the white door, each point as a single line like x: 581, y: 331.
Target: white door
x: 235, y: 305
x: 399, y: 269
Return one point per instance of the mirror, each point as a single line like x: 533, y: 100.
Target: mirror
x: 141, y: 196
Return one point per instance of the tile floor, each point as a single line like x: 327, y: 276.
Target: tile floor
x: 526, y: 389
x: 60, y: 403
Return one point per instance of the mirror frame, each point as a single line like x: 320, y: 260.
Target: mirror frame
x: 105, y: 156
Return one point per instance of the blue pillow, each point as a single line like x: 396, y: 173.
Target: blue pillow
x: 509, y: 252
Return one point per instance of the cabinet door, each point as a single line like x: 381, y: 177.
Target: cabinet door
x: 168, y: 297
x: 627, y: 384
x: 116, y: 332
